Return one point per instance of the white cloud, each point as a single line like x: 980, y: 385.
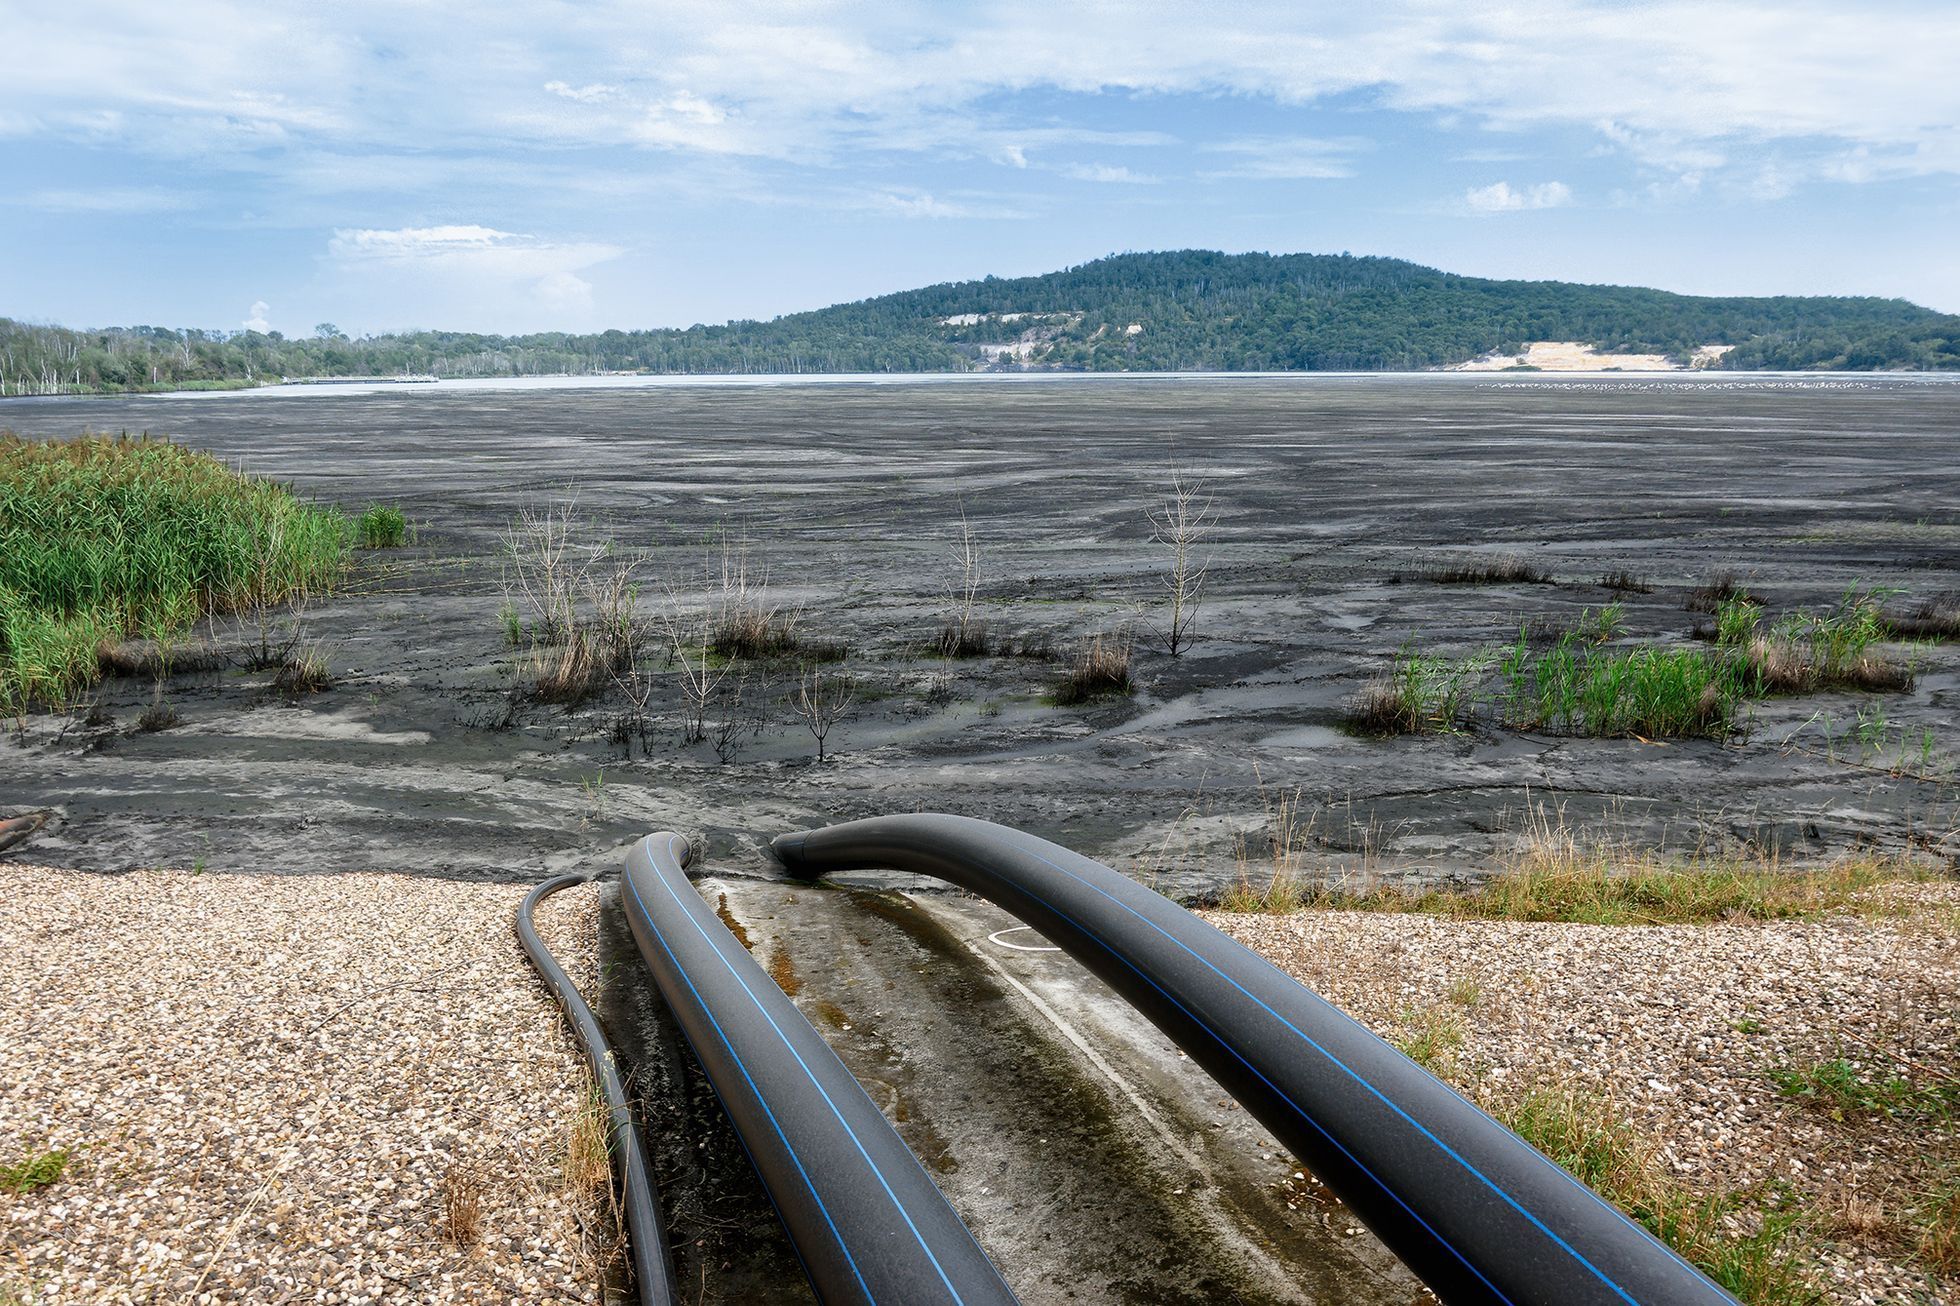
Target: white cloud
x: 1501, y: 197
x: 525, y: 279
x: 1287, y: 158
x: 1114, y: 174
x: 255, y: 319
x: 591, y: 93
x: 814, y: 80
x: 111, y: 199
x: 907, y: 203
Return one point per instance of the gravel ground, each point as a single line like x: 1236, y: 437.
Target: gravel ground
x: 1653, y: 1018
x: 267, y: 1082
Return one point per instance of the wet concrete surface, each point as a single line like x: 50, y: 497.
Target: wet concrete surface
x: 1089, y: 1157
x: 1335, y: 496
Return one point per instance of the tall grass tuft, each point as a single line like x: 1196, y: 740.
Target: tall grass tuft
x: 1102, y: 666
x: 381, y: 527
x: 102, y: 539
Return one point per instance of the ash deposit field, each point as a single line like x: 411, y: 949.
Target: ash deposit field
x: 1336, y: 504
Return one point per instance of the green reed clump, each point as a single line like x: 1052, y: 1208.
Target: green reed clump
x: 381, y: 527
x: 1806, y: 651
x: 102, y: 539
x: 1651, y: 691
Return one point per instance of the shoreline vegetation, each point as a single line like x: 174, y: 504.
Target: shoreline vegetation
x: 111, y: 548
x: 1178, y: 311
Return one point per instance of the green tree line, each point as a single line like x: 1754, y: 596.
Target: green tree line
x: 1197, y: 311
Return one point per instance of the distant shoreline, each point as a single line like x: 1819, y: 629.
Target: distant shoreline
x: 349, y: 386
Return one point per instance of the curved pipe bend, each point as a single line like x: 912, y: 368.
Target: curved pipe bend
x: 868, y: 1223
x: 1474, y: 1210
x: 646, y: 1235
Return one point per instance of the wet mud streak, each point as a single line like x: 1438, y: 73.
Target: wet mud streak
x: 1073, y: 1199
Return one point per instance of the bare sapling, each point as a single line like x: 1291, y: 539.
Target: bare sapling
x: 543, y: 570
x: 626, y: 636
x: 701, y: 675
x: 961, y: 637
x: 1181, y: 524
x: 822, y: 699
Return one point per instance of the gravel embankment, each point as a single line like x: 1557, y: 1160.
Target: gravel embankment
x: 268, y: 1084
x: 1681, y: 1027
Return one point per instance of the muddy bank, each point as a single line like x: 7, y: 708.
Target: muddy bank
x: 1336, y: 497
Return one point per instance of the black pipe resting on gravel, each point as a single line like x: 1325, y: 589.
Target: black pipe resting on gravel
x: 652, y: 1276
x: 1474, y: 1210
x: 868, y: 1223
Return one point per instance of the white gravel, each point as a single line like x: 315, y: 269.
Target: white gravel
x: 1653, y: 1018
x: 264, y: 1082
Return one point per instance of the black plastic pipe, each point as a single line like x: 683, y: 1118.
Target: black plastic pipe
x: 867, y: 1222
x: 646, y: 1236
x: 1475, y: 1211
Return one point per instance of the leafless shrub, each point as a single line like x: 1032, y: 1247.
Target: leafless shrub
x: 1180, y: 524
x: 822, y: 699
x: 701, y: 672
x: 1102, y: 666
x: 961, y: 636
x: 543, y: 570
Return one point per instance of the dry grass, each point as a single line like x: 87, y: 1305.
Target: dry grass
x: 1936, y: 618
x: 462, y: 1206
x: 1102, y: 667
x: 1626, y: 582
x: 1509, y: 569
x: 748, y: 629
x: 1716, y: 589
x: 571, y: 670
x: 305, y: 670
x: 1555, y: 874
x: 962, y: 639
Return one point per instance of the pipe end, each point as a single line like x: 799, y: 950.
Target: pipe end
x: 788, y: 849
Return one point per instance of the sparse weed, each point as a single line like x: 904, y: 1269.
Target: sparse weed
x: 1626, y: 582
x: 1589, y: 1137
x: 1846, y: 1091
x: 34, y: 1170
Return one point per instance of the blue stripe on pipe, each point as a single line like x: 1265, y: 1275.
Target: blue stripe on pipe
x: 1343, y: 1066
x: 760, y: 1100
x: 1279, y: 1092
x: 856, y: 1142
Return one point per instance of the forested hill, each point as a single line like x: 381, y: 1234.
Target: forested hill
x: 1189, y: 310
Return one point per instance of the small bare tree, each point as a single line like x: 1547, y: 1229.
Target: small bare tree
x: 821, y: 700
x: 700, y: 677
x: 543, y: 570
x: 1180, y: 525
x: 960, y: 637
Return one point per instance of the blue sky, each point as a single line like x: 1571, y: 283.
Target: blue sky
x: 600, y: 164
